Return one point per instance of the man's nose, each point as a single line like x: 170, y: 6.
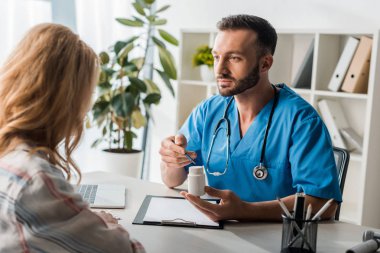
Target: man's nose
x: 220, y: 68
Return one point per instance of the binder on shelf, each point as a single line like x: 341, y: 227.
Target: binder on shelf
x: 352, y: 139
x: 343, y: 64
x: 303, y: 76
x: 356, y: 80
x: 333, y: 116
x: 173, y: 211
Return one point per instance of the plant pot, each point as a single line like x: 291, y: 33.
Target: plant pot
x: 207, y: 73
x: 126, y: 164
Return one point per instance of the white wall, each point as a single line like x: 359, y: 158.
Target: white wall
x: 96, y: 25
x: 16, y: 17
x: 282, y: 14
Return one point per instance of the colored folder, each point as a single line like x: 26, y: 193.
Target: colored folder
x: 354, y: 140
x: 343, y: 64
x: 356, y: 80
x: 333, y: 116
x: 173, y: 211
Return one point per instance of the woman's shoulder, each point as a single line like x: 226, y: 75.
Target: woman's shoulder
x: 21, y: 161
x: 20, y: 168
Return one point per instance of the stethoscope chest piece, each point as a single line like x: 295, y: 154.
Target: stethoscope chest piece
x: 260, y: 172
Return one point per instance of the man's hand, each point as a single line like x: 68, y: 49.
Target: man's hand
x: 172, y: 152
x: 173, y: 160
x: 231, y: 207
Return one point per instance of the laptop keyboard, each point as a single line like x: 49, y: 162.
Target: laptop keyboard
x: 88, y: 192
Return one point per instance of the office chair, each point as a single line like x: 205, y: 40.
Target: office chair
x: 342, y: 158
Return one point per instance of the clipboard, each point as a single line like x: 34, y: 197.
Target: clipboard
x: 179, y: 221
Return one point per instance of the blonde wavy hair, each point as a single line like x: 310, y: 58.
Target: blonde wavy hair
x: 45, y: 91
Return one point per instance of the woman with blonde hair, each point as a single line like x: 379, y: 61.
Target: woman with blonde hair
x: 45, y: 91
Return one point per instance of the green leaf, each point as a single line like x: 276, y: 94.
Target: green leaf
x: 108, y: 71
x: 151, y: 18
x: 139, y: 84
x: 203, y: 56
x: 149, y: 1
x: 118, y: 46
x: 152, y: 87
x: 138, y: 19
x: 138, y: 120
x: 142, y: 3
x: 128, y: 22
x: 122, y: 104
x: 122, y: 61
x: 130, y: 68
x: 125, y: 51
x: 152, y: 98
x: 167, y: 62
x: 163, y: 8
x: 128, y: 139
x: 96, y: 143
x: 138, y: 62
x: 139, y: 8
x: 168, y: 37
x: 159, y: 22
x: 158, y: 42
x: 104, y: 87
x: 131, y: 39
x: 166, y: 80
x: 100, y: 108
x: 102, y: 77
x: 104, y: 58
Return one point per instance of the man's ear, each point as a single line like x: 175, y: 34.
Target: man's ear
x: 266, y: 62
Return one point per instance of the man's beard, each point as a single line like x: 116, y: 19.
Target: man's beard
x: 240, y: 85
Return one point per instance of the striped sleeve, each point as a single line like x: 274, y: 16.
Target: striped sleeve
x: 53, y: 218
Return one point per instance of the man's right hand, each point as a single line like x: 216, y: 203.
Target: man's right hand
x: 172, y: 152
x: 173, y: 158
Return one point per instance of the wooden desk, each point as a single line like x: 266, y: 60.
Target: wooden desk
x: 235, y: 237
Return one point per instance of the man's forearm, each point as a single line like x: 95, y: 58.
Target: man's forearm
x: 172, y: 177
x: 271, y: 210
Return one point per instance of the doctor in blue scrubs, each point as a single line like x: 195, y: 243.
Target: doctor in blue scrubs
x: 257, y: 141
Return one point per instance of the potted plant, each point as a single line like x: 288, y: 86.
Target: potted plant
x: 205, y: 60
x: 124, y: 94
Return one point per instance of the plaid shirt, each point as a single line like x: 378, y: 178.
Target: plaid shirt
x: 41, y: 212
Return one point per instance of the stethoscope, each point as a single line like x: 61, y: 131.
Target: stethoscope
x: 260, y: 172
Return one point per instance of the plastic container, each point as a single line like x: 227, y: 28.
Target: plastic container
x: 196, y: 180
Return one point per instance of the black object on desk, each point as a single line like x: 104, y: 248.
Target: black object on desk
x: 299, y: 207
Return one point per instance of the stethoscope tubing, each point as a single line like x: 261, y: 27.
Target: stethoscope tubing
x: 261, y: 165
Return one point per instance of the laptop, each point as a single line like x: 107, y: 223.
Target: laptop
x: 103, y: 195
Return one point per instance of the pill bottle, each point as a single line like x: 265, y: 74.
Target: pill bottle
x: 196, y: 181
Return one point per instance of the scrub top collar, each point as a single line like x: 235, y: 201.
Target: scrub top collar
x: 256, y: 128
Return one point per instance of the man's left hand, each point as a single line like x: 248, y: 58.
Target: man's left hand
x: 231, y: 207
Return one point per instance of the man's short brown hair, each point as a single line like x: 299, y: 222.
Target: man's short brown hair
x: 266, y: 34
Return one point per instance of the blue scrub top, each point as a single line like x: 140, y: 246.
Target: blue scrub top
x: 298, y: 155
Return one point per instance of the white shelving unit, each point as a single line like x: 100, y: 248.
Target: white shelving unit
x: 361, y: 203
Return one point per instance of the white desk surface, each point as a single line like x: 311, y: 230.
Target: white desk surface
x: 235, y: 237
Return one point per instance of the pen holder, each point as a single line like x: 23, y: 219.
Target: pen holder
x: 304, y: 239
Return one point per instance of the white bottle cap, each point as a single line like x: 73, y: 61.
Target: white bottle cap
x: 195, y: 170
